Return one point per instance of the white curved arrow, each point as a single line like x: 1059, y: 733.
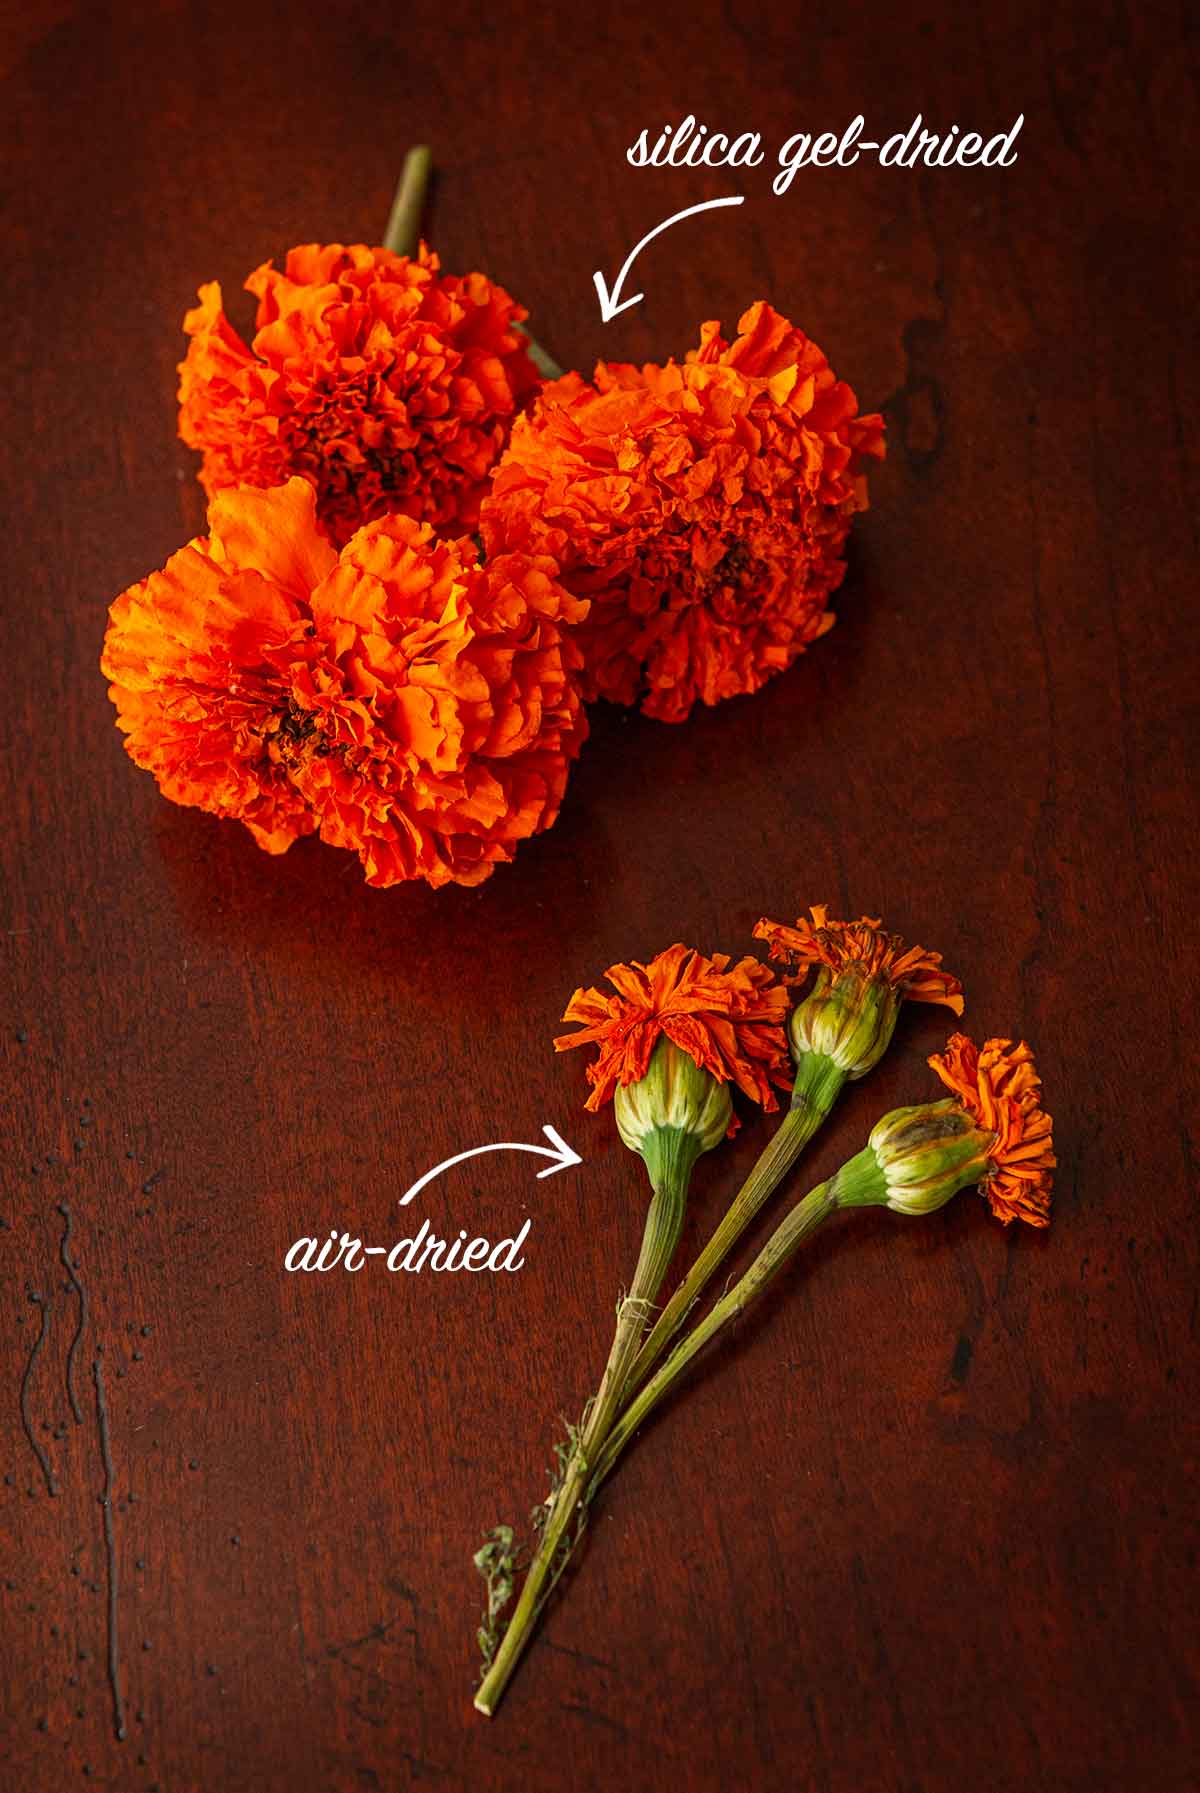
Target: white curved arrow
x: 611, y: 302
x: 558, y: 1151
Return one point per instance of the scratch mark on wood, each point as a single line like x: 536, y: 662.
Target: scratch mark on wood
x: 110, y: 1553
x: 64, y: 1253
x: 42, y: 1303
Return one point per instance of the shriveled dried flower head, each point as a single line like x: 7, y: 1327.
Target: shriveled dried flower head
x: 912, y: 971
x: 728, y: 1018
x: 397, y: 699
x: 863, y: 975
x: 702, y: 507
x: 999, y: 1088
x: 991, y: 1133
x: 385, y: 383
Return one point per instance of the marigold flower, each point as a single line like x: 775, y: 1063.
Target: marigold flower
x: 913, y: 971
x: 398, y: 699
x: 864, y: 974
x: 992, y: 1131
x: 1000, y: 1089
x: 702, y: 507
x: 727, y: 1019
x: 385, y: 383
x: 676, y: 1034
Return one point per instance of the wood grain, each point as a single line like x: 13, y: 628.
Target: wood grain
x: 930, y: 1521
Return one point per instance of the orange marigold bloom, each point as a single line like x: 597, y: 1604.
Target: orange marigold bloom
x: 385, y: 383
x: 913, y: 972
x: 702, y: 507
x: 847, y: 1018
x: 398, y: 699
x: 1000, y: 1090
x: 728, y: 1019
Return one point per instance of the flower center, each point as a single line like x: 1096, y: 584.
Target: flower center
x: 297, y: 734
x: 734, y: 588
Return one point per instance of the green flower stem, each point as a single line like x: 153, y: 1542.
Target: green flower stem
x: 818, y: 1084
x: 670, y: 1155
x: 403, y: 237
x: 546, y: 365
x: 403, y: 233
x: 787, y: 1239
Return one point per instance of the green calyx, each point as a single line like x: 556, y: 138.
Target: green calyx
x: 819, y: 1081
x: 927, y: 1154
x: 669, y: 1154
x: 848, y: 1018
x: 860, y: 1183
x: 675, y: 1110
x: 915, y: 1161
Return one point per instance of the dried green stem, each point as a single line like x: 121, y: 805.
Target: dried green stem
x: 786, y: 1240
x: 818, y: 1084
x: 546, y: 365
x: 403, y: 233
x: 403, y: 236
x: 670, y: 1166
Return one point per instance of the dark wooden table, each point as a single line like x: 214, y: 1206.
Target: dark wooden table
x: 928, y: 1524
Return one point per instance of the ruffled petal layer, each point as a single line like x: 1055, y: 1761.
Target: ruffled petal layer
x: 385, y: 383
x: 702, y: 508
x: 399, y: 699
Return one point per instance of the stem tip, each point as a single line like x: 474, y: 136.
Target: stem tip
x: 403, y: 233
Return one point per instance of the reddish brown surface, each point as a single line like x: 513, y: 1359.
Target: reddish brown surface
x: 927, y: 1524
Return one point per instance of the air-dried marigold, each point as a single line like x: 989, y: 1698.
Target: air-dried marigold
x: 727, y: 1018
x: 385, y: 383
x: 912, y: 971
x: 863, y: 975
x: 999, y: 1087
x: 991, y: 1132
x: 398, y: 699
x: 702, y: 507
